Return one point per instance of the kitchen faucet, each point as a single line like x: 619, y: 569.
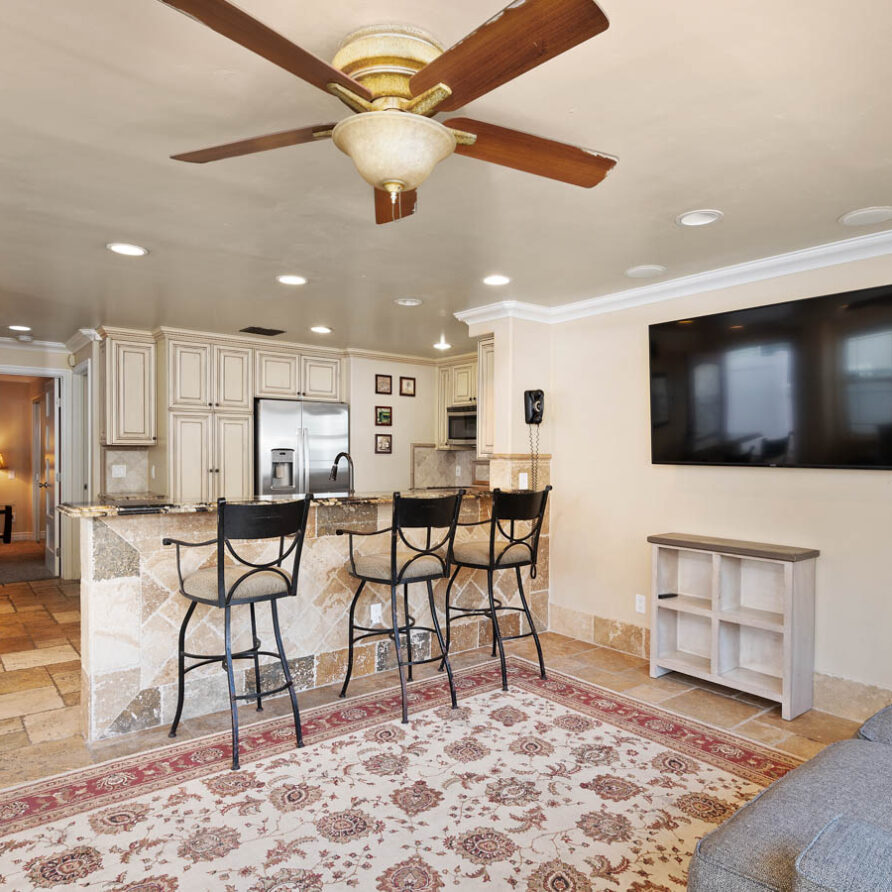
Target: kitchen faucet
x: 334, y: 470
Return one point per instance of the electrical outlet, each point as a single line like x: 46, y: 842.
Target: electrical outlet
x: 377, y: 616
x: 152, y: 471
x: 10, y: 475
x: 640, y: 603
x: 457, y: 470
x: 523, y: 480
x: 119, y: 471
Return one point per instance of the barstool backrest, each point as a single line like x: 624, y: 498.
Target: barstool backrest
x: 237, y: 523
x: 509, y: 509
x: 432, y: 513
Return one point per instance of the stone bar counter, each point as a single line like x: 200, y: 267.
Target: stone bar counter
x: 131, y: 609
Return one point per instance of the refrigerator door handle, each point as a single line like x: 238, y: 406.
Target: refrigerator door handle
x: 306, y: 458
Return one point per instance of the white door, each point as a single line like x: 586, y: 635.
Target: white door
x: 233, y: 454
x: 49, y: 485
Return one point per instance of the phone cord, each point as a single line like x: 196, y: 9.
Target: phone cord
x: 534, y: 455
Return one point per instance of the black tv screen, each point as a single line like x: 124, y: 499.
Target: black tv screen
x: 806, y: 383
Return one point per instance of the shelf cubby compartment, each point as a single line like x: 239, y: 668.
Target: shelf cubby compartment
x: 752, y: 591
x: 685, y: 642
x: 688, y: 574
x: 751, y: 659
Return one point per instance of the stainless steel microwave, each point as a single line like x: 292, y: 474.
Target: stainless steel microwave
x: 461, y: 425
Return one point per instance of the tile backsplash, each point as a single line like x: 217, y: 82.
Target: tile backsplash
x: 136, y: 471
x: 437, y: 467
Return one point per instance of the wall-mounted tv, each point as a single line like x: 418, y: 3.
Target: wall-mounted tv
x: 806, y: 383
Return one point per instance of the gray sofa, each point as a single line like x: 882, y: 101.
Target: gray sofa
x: 825, y: 826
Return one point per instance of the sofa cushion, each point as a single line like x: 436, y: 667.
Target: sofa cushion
x: 847, y: 856
x: 878, y: 727
x: 756, y: 849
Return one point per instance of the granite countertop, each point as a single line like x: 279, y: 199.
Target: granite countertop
x: 130, y: 506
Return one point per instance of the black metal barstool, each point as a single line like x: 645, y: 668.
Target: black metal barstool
x: 244, y: 582
x: 406, y: 563
x: 507, y: 548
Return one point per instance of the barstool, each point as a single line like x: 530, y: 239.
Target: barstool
x: 506, y: 549
x: 403, y: 564
x: 244, y: 582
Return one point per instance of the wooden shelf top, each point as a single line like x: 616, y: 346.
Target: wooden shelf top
x: 735, y: 546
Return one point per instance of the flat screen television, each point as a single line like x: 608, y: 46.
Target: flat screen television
x: 806, y: 383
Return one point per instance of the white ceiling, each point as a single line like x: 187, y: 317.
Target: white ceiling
x: 776, y: 113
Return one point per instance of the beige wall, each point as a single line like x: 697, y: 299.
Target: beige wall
x: 413, y: 421
x: 609, y: 497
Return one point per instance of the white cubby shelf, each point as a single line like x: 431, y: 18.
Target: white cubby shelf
x: 742, y: 615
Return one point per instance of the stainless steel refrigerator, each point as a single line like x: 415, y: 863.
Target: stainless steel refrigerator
x: 296, y: 443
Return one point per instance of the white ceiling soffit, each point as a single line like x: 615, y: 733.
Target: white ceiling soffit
x: 861, y: 248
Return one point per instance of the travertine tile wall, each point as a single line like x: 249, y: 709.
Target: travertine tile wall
x: 131, y: 613
x: 137, y: 471
x: 433, y: 467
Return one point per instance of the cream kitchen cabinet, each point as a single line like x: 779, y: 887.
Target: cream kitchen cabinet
x: 485, y: 398
x: 233, y: 387
x: 444, y: 393
x: 189, y: 375
x: 464, y: 384
x: 128, y: 382
x: 210, y: 456
x: 320, y: 377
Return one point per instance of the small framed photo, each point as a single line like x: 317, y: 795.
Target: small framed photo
x: 407, y: 386
x: 383, y: 383
x: 383, y: 444
x: 383, y: 416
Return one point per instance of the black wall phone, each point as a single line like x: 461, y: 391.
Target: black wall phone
x: 533, y: 406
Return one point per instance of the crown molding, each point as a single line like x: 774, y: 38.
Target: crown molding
x: 35, y: 346
x: 862, y: 247
x: 81, y: 338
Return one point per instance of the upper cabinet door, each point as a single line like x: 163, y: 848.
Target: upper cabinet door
x: 464, y: 384
x: 277, y: 374
x: 320, y: 377
x: 233, y: 378
x: 189, y: 375
x: 130, y: 393
x: 233, y: 452
x: 486, y: 428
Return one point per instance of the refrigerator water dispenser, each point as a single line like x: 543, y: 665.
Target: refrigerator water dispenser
x: 283, y: 470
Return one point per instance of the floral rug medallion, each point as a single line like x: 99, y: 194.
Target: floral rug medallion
x: 553, y: 786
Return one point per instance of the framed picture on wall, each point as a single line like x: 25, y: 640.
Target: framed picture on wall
x: 383, y: 383
x: 383, y: 416
x: 407, y: 386
x: 383, y: 444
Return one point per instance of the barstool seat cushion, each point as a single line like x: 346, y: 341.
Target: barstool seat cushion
x: 377, y: 568
x: 202, y: 584
x: 476, y: 554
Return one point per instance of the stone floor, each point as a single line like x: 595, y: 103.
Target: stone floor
x: 39, y: 690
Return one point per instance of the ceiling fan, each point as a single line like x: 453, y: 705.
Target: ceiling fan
x: 397, y: 77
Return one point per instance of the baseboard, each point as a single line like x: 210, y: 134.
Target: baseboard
x: 23, y: 536
x: 839, y: 696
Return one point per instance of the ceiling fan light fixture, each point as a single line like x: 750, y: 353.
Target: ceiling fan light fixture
x: 394, y: 151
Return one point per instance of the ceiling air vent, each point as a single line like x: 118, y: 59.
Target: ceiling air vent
x: 266, y: 332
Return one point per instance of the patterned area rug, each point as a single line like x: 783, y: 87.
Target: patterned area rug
x: 554, y: 786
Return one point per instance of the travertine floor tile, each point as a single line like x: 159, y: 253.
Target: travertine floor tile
x: 711, y: 708
x: 815, y: 725
x: 801, y: 746
x: 42, y: 760
x: 24, y: 680
x: 656, y: 690
x: 44, y: 657
x: 29, y: 702
x: 54, y: 725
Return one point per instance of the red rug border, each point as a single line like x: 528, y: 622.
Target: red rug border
x: 42, y: 801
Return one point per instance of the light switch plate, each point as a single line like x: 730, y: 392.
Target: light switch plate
x: 376, y: 615
x: 10, y: 475
x: 119, y: 470
x: 640, y: 604
x: 523, y: 480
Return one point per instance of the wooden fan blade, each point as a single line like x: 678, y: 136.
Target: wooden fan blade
x: 387, y: 211
x: 533, y: 154
x: 257, y: 144
x: 523, y: 35
x: 232, y: 22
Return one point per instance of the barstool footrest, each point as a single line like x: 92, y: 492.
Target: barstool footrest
x: 515, y: 637
x: 422, y: 662
x: 255, y: 695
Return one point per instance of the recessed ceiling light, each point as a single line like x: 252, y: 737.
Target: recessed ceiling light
x: 735, y: 327
x: 442, y: 345
x: 409, y: 301
x: 702, y: 217
x: 127, y: 250
x: 20, y: 328
x: 320, y: 329
x: 645, y: 271
x: 496, y: 279
x: 867, y: 216
x: 685, y: 321
x: 291, y: 280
